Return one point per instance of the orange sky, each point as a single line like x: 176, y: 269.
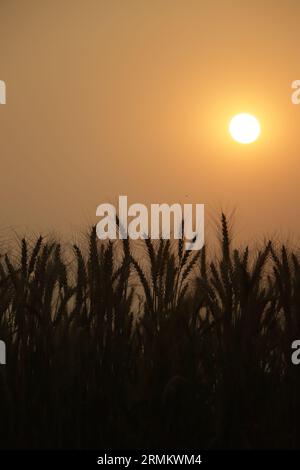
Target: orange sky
x: 113, y: 97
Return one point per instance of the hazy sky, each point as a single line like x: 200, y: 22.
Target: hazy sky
x: 134, y: 97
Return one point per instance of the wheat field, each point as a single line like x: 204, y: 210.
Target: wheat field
x: 164, y: 349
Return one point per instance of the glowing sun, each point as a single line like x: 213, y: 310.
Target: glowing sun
x: 244, y: 128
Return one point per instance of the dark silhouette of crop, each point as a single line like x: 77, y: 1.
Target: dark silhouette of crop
x: 164, y: 348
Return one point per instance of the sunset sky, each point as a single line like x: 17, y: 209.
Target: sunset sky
x: 134, y: 97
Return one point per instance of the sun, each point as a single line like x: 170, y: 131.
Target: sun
x: 244, y: 128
